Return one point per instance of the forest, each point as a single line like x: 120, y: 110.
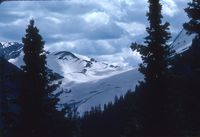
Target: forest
x: 165, y: 103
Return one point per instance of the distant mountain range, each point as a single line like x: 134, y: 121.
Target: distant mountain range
x: 86, y: 82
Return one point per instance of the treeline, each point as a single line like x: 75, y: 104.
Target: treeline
x: 167, y: 102
x: 112, y: 121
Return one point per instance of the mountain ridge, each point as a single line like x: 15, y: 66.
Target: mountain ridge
x: 86, y: 82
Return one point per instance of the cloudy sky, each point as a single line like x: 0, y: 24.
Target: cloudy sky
x: 98, y: 28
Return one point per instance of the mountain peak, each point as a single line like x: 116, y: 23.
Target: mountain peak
x: 65, y: 55
x: 9, y: 44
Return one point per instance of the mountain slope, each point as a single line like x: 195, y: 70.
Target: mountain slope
x: 87, y: 82
x: 77, y: 68
x: 88, y: 94
x: 84, y: 82
x: 183, y: 41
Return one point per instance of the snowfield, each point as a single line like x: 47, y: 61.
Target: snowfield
x: 99, y: 91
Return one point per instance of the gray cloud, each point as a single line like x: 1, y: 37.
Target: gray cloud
x: 89, y: 27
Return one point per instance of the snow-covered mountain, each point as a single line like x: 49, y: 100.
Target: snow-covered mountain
x: 85, y: 82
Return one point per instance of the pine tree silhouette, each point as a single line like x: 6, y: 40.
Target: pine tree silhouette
x: 155, y: 54
x: 193, y: 11
x: 39, y: 117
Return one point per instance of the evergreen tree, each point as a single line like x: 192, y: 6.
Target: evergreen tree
x: 39, y: 117
x: 193, y: 11
x: 156, y: 51
x: 155, y: 54
x: 112, y: 121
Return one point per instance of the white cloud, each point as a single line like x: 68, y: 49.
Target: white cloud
x: 169, y: 7
x: 54, y: 19
x: 123, y: 58
x: 96, y: 18
x: 133, y: 28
